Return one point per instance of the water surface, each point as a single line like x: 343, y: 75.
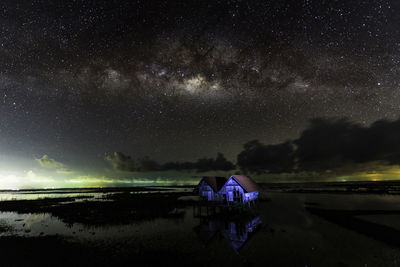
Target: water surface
x: 283, y: 232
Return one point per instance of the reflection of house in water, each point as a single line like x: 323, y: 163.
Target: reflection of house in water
x: 236, y: 189
x: 237, y: 233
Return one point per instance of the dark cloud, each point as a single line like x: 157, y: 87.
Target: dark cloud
x: 328, y: 145
x: 202, y: 165
x: 123, y: 162
x: 257, y: 157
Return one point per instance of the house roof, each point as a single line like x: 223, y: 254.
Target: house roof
x: 247, y: 183
x: 215, y: 182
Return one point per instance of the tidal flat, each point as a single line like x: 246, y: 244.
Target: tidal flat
x: 153, y: 226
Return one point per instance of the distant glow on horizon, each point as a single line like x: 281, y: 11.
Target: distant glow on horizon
x: 9, y: 182
x: 386, y: 174
x: 30, y: 180
x: 34, y: 174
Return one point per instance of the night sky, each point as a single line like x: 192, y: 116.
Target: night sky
x: 179, y: 81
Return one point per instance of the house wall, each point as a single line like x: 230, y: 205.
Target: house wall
x: 235, y: 193
x: 252, y: 195
x: 207, y: 193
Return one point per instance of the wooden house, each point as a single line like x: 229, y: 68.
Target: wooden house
x: 209, y: 187
x: 239, y: 189
x: 236, y: 189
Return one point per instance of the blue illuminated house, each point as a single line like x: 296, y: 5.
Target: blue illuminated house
x: 210, y: 186
x: 236, y: 189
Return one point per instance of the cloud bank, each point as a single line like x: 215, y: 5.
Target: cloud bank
x: 47, y: 162
x: 122, y: 162
x: 328, y: 145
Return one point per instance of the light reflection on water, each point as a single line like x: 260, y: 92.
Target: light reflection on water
x: 283, y: 232
x: 37, y: 224
x: 235, y: 232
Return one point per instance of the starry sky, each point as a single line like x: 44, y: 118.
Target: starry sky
x: 179, y: 81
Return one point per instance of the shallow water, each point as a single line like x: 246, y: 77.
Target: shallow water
x: 80, y: 193
x: 284, y: 233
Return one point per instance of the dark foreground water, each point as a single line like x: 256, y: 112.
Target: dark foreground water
x: 286, y: 229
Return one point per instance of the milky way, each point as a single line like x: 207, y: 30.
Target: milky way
x: 179, y: 81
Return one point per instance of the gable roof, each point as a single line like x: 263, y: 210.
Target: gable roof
x: 216, y: 183
x: 247, y: 183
